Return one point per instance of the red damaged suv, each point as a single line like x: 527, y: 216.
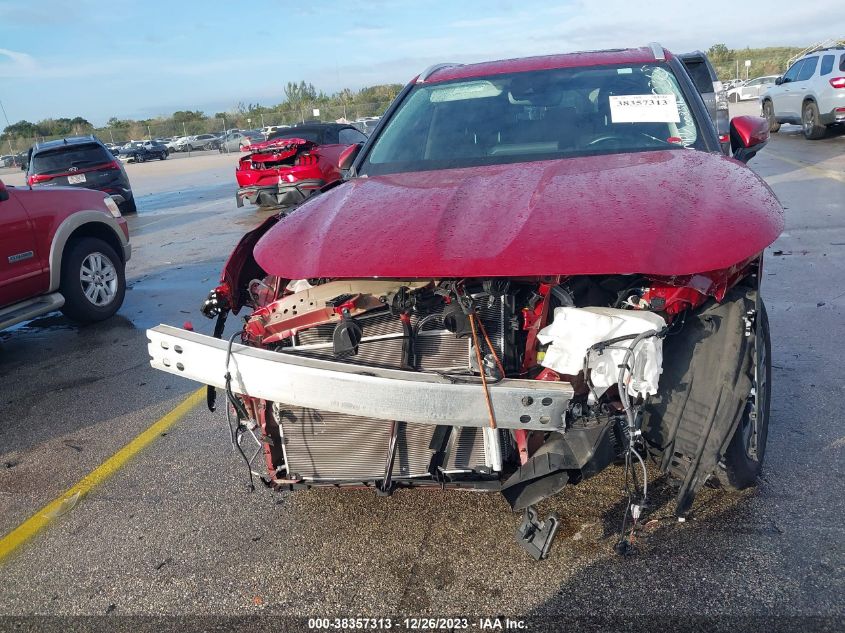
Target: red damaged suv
x: 61, y: 248
x: 293, y: 163
x: 534, y: 269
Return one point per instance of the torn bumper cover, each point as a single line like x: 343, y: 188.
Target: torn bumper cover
x: 282, y: 194
x: 387, y: 394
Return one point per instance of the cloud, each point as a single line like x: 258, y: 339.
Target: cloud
x: 16, y: 64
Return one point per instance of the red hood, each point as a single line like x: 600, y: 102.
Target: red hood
x: 668, y: 212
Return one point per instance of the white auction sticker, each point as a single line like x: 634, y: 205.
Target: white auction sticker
x: 644, y: 109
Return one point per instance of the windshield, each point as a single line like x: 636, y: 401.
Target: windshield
x: 61, y: 159
x: 537, y: 115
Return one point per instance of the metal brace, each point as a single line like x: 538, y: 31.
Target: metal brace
x: 536, y: 536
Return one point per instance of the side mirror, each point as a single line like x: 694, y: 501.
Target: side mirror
x: 347, y: 156
x: 4, y: 193
x: 778, y: 81
x: 749, y: 134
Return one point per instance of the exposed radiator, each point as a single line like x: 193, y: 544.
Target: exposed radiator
x: 326, y: 446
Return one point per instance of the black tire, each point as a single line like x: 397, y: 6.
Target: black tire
x: 769, y: 113
x: 162, y: 156
x: 128, y: 207
x: 733, y: 97
x: 810, y: 124
x: 139, y: 158
x: 108, y: 297
x: 743, y: 459
x: 189, y: 148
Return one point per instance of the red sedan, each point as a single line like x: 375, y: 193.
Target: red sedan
x: 293, y: 163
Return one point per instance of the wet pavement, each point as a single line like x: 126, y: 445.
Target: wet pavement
x: 177, y: 531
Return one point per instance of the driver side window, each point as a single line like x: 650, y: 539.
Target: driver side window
x: 792, y: 73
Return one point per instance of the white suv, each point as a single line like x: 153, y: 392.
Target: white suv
x: 811, y: 93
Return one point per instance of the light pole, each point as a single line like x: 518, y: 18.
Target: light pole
x: 8, y: 138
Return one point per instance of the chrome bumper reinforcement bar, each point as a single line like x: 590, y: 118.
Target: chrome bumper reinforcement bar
x: 387, y: 394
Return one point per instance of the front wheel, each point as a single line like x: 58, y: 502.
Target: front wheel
x: 139, y: 158
x: 769, y: 113
x: 743, y: 458
x: 162, y: 156
x: 93, y: 282
x: 813, y: 129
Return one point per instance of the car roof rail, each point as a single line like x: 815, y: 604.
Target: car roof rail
x: 830, y: 43
x: 657, y: 51
x: 428, y: 72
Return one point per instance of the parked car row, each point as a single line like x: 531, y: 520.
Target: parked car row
x: 13, y: 160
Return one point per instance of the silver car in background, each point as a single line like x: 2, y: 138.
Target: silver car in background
x: 811, y: 93
x: 751, y: 89
x: 236, y: 140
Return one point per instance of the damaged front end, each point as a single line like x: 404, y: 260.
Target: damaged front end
x: 523, y: 385
x: 282, y: 173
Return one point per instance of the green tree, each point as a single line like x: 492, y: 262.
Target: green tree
x: 21, y: 129
x: 299, y: 96
x: 186, y: 116
x: 719, y: 53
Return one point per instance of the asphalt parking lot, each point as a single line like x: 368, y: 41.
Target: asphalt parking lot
x: 176, y: 531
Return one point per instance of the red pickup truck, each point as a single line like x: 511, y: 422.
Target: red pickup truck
x: 60, y: 248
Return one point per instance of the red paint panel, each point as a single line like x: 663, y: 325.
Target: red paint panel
x: 546, y: 62
x: 673, y: 212
x: 752, y: 130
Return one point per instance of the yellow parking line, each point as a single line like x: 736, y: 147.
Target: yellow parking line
x: 826, y: 173
x: 38, y: 521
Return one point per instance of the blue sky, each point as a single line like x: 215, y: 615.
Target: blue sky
x: 143, y: 58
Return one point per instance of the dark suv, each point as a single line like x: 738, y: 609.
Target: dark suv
x: 79, y: 161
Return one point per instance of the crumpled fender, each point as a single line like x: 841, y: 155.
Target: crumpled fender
x: 703, y: 390
x: 241, y: 265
